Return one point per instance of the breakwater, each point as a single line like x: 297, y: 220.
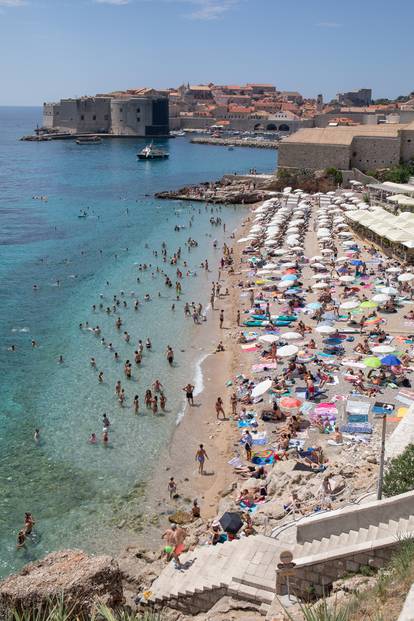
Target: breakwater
x: 237, y: 142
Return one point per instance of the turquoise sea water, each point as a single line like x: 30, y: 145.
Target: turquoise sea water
x: 78, y: 492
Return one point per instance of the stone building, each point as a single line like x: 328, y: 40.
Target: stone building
x: 366, y: 147
x: 122, y: 115
x: 361, y: 97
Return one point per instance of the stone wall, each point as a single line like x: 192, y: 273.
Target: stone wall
x: 313, y: 156
x: 407, y: 144
x: 317, y: 576
x: 355, y: 517
x: 368, y: 152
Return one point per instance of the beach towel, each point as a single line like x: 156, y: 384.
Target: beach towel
x: 357, y: 428
x: 247, y: 348
x: 357, y: 418
x: 382, y: 408
x: 259, y: 438
x: 236, y: 462
x: 357, y: 407
x: 258, y: 368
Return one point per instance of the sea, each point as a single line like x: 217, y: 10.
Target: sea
x: 82, y: 495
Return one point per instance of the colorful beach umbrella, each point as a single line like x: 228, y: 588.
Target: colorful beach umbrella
x: 372, y: 362
x: 391, y: 361
x: 368, y: 304
x: 290, y: 403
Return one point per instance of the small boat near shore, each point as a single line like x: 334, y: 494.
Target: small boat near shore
x: 89, y: 140
x: 152, y: 153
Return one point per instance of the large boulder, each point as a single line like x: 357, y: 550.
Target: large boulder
x: 83, y: 581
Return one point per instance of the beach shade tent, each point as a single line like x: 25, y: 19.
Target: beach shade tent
x: 325, y: 329
x: 290, y: 404
x: 391, y: 361
x: 346, y: 278
x: 406, y: 277
x: 261, y: 388
x: 372, y: 362
x: 380, y: 298
x: 231, y: 522
x: 368, y: 304
x: 383, y: 349
x: 269, y: 338
x: 287, y: 350
x: 291, y: 336
x: 389, y: 290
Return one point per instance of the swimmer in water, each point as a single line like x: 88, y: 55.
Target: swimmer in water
x: 21, y: 539
x: 100, y: 377
x: 37, y: 436
x: 105, y: 438
x: 92, y: 438
x: 60, y: 359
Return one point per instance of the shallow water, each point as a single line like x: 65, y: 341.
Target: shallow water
x: 80, y: 493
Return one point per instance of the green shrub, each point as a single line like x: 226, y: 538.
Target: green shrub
x: 399, y: 477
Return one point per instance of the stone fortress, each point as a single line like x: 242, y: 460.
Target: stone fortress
x: 142, y: 114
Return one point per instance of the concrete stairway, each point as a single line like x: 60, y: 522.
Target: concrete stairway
x: 246, y: 568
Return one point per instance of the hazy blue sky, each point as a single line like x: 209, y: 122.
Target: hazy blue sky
x: 59, y: 48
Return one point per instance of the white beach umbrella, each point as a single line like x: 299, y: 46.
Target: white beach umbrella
x: 320, y: 285
x: 287, y: 350
x: 317, y: 257
x: 348, y: 243
x: 389, y: 290
x: 327, y: 251
x: 383, y: 349
x: 280, y: 251
x: 269, y: 338
x: 319, y: 266
x: 270, y: 266
x: 326, y: 329
x: 393, y: 270
x: 406, y: 277
x: 242, y: 240
x: 346, y: 278
x: 284, y: 284
x: 345, y: 234
x: 261, y: 388
x: 350, y: 304
x: 380, y: 297
x: 291, y: 336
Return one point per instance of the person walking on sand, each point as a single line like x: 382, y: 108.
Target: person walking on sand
x: 221, y: 318
x: 238, y: 317
x: 233, y: 402
x: 219, y: 408
x: 201, y: 457
x: 189, y: 393
x: 248, y: 442
x: 172, y: 487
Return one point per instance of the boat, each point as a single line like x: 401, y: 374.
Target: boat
x: 152, y: 153
x: 88, y: 140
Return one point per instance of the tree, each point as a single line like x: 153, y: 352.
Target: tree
x: 399, y: 477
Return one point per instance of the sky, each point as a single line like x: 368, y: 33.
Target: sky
x: 51, y: 49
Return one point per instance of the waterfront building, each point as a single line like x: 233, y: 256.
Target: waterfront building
x: 366, y: 147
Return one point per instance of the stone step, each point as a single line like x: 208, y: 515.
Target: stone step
x: 266, y: 584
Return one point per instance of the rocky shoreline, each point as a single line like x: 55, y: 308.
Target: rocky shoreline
x: 230, y: 190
